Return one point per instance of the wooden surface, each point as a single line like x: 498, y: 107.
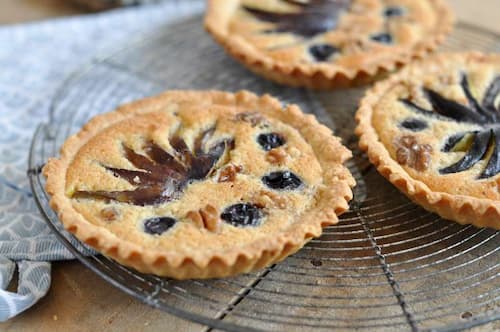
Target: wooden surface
x: 17, y: 11
x: 78, y: 299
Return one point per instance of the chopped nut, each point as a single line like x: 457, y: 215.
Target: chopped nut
x: 423, y: 160
x: 408, y: 141
x: 353, y: 47
x: 210, y: 217
x: 228, y: 173
x: 413, y: 154
x: 207, y: 217
x: 270, y: 200
x: 276, y: 156
x: 110, y: 213
x: 402, y: 155
x: 253, y: 118
x: 196, y: 218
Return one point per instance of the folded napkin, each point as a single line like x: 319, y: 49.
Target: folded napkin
x: 34, y: 59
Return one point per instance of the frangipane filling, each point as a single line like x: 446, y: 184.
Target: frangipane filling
x: 328, y: 30
x: 161, y: 175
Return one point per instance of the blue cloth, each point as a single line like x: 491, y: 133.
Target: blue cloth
x: 34, y: 59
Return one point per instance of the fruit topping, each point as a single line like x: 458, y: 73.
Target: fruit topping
x: 163, y: 176
x: 481, y: 144
x: 393, y: 11
x: 413, y: 154
x: 493, y: 166
x: 270, y: 141
x: 158, y: 225
x: 414, y: 124
x: 474, y: 112
x: 458, y: 142
x: 383, y: 37
x: 491, y: 96
x: 282, y: 180
x: 322, y: 52
x: 476, y: 151
x: 242, y: 214
x: 314, y: 17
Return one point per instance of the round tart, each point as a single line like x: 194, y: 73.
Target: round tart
x: 326, y: 44
x: 433, y: 130
x: 200, y: 184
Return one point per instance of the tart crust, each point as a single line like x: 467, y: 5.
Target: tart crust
x: 330, y: 199
x: 325, y: 75
x: 472, y: 207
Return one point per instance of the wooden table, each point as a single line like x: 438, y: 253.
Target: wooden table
x: 79, y: 300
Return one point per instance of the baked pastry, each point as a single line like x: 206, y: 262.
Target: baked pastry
x: 326, y: 44
x: 200, y: 184
x: 433, y: 130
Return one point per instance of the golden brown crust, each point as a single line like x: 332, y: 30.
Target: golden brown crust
x: 331, y: 198
x: 329, y: 75
x: 472, y: 207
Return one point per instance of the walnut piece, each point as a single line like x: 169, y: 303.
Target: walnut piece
x: 354, y: 46
x: 276, y: 156
x: 228, y: 173
x: 109, y: 213
x: 270, y: 200
x: 196, y: 219
x: 413, y: 154
x: 210, y: 217
x: 253, y: 118
x: 207, y: 217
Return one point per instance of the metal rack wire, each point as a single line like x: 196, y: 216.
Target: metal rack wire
x: 388, y: 265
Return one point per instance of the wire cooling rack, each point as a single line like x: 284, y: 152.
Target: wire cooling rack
x: 388, y: 265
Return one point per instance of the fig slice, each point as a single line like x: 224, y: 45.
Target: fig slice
x: 473, y: 155
x: 493, y: 166
x: 453, y: 110
x: 491, y: 96
x: 161, y: 177
x: 474, y: 112
x: 313, y: 18
x: 489, y: 116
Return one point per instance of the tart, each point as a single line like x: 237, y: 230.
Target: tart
x: 200, y: 184
x: 325, y: 44
x: 433, y: 130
